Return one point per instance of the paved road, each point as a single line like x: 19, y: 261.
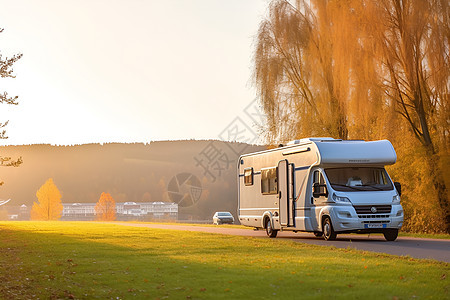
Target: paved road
x: 414, y: 247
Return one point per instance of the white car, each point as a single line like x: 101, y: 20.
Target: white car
x: 222, y: 217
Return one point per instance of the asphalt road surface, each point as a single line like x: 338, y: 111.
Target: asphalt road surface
x: 413, y: 247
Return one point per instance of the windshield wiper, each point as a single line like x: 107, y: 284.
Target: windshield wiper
x: 348, y: 186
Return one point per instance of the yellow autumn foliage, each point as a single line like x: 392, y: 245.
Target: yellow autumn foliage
x: 364, y: 70
x: 49, y: 205
x: 106, y: 208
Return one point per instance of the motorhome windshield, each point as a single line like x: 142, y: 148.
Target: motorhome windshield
x: 359, y: 179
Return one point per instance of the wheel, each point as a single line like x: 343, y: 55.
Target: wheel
x: 328, y: 231
x: 269, y: 229
x: 390, y: 234
x: 318, y: 233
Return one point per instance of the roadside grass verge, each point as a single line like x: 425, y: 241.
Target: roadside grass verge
x: 192, y: 224
x: 81, y: 260
x: 442, y: 236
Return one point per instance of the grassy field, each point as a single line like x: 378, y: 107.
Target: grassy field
x: 81, y: 260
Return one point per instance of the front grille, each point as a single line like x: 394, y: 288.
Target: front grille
x: 373, y: 216
x: 367, y: 209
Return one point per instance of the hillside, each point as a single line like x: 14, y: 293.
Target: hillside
x: 130, y: 172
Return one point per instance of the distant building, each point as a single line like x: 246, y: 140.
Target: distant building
x: 15, y: 212
x: 78, y: 211
x: 155, y: 210
x: 124, y: 211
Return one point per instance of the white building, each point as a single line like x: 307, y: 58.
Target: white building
x: 78, y: 209
x: 127, y: 210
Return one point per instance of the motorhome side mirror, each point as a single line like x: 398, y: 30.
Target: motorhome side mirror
x: 398, y: 187
x: 317, y: 190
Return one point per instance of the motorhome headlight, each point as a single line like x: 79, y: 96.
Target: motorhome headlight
x: 396, y: 199
x: 341, y: 199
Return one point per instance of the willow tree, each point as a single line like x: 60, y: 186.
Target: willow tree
x: 413, y: 53
x: 365, y: 70
x: 6, y: 71
x: 302, y: 69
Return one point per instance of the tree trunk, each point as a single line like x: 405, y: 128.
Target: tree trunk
x: 443, y: 201
x: 342, y: 127
x: 433, y: 163
x: 440, y: 187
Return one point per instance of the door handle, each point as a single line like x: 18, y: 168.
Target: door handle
x: 279, y: 194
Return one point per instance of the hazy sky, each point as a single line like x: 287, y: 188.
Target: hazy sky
x: 128, y: 70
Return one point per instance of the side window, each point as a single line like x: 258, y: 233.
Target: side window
x: 248, y: 176
x: 384, y: 179
x: 269, y: 180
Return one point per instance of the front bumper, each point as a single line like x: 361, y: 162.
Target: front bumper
x: 346, y: 219
x: 225, y: 221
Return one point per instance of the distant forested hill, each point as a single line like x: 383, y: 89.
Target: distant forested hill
x: 201, y: 175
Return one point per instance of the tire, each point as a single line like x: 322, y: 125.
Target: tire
x: 269, y: 229
x: 390, y: 234
x: 328, y: 231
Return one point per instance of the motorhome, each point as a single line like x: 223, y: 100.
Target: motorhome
x: 321, y: 185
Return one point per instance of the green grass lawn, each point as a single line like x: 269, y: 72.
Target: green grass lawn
x: 81, y: 260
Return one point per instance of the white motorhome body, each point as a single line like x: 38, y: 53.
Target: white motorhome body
x: 321, y: 185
